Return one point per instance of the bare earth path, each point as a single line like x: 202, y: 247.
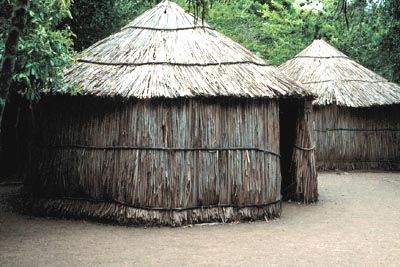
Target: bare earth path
x: 357, y: 222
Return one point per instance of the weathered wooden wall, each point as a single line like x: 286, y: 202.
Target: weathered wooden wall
x: 357, y: 138
x: 159, y: 154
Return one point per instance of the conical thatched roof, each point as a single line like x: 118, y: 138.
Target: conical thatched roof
x: 164, y: 53
x: 335, y: 78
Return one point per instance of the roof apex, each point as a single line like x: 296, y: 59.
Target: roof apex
x: 166, y: 15
x: 319, y: 48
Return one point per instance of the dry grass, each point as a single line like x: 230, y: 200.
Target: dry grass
x: 336, y: 79
x: 163, y: 53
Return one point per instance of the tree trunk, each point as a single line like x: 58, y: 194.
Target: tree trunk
x: 18, y: 22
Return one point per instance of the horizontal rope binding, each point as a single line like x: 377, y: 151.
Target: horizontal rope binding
x: 305, y: 148
x: 357, y: 130
x: 167, y: 29
x: 166, y: 209
x: 348, y: 80
x: 206, y: 149
x: 322, y: 57
x: 173, y: 63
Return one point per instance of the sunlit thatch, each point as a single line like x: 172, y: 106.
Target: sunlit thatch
x: 336, y: 79
x: 163, y: 53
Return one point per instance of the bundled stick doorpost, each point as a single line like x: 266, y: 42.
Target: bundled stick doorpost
x: 303, y: 169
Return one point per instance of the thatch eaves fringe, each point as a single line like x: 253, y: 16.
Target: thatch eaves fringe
x: 117, y: 213
x: 166, y: 53
x: 336, y: 79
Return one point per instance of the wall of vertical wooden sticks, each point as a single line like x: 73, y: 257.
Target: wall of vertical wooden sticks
x: 357, y: 138
x: 157, y: 161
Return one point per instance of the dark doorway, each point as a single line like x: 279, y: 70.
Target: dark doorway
x: 288, y: 114
x: 14, y: 137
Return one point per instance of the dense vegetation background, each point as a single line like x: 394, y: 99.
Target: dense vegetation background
x: 366, y: 30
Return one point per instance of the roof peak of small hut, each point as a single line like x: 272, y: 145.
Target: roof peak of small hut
x: 167, y: 16
x: 337, y: 79
x: 319, y: 48
x: 165, y: 52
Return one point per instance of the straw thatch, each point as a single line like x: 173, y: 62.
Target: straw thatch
x: 357, y: 125
x: 336, y: 79
x: 163, y: 53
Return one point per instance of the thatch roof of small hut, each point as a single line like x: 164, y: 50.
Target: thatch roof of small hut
x: 336, y: 79
x: 166, y: 53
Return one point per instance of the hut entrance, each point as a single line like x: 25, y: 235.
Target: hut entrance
x: 288, y: 112
x: 14, y: 139
x: 299, y: 175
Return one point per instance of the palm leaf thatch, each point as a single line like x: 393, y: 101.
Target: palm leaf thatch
x: 336, y: 79
x: 167, y: 53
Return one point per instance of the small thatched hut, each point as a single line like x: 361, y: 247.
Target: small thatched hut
x: 357, y: 112
x: 174, y: 124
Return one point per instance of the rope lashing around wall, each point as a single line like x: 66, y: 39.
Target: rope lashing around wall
x: 262, y: 205
x: 322, y: 57
x: 357, y: 130
x: 349, y: 80
x: 206, y: 149
x: 362, y: 161
x: 173, y: 63
x: 11, y: 183
x: 167, y: 29
x: 305, y: 148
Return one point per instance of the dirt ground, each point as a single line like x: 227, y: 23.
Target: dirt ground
x: 356, y: 222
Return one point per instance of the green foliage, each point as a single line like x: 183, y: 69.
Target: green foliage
x: 389, y: 44
x: 94, y: 20
x: 290, y: 29
x: 44, y: 49
x: 372, y: 35
x: 276, y: 30
x: 359, y: 33
x: 241, y: 21
x: 366, y: 30
x: 6, y: 10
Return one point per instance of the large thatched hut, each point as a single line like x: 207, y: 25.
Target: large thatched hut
x: 174, y: 124
x: 357, y: 112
